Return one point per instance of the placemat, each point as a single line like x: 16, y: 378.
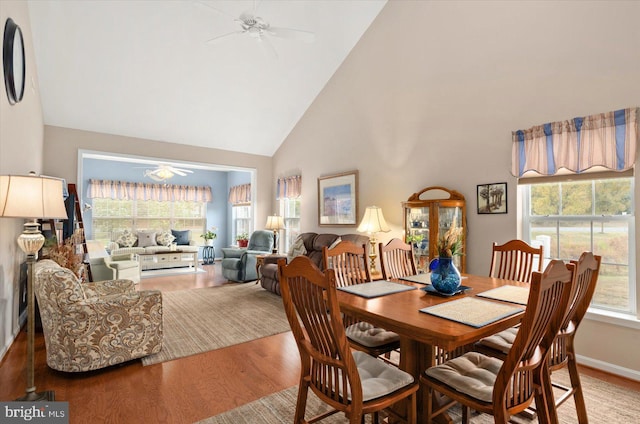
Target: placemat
x: 421, y: 278
x: 376, y: 288
x: 513, y: 294
x: 472, y: 311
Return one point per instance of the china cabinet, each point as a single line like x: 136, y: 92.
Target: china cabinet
x: 427, y: 215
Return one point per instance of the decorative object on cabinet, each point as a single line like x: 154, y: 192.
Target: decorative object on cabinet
x: 430, y: 213
x: 338, y: 199
x: 492, y: 198
x: 372, y: 223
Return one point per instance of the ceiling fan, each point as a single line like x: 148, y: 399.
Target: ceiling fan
x: 258, y: 28
x: 163, y: 172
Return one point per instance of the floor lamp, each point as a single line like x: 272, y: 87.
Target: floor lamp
x: 372, y: 223
x: 275, y: 223
x: 31, y: 197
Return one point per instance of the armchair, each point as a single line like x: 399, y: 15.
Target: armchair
x: 240, y: 264
x: 79, y: 325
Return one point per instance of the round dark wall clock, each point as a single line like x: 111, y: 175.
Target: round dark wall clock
x: 13, y: 61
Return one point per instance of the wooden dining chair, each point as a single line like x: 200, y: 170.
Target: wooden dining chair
x: 348, y: 260
x: 396, y: 259
x: 349, y: 381
x: 504, y: 388
x: 515, y: 260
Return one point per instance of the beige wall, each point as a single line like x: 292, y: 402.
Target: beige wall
x: 431, y: 93
x: 20, y: 152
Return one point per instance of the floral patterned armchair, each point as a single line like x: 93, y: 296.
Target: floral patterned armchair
x: 88, y: 326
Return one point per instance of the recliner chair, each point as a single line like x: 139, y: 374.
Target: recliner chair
x: 240, y: 264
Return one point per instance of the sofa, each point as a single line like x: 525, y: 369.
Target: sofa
x: 148, y: 241
x: 88, y: 326
x: 313, y: 244
x: 240, y: 264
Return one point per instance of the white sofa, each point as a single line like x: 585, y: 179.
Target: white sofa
x: 126, y: 242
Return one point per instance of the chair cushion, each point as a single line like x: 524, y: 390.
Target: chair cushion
x: 473, y: 374
x: 121, y: 265
x: 378, y: 378
x: 368, y: 335
x: 501, y: 341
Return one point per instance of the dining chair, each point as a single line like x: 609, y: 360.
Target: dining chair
x: 348, y: 260
x: 562, y: 353
x: 396, y: 259
x: 515, y: 260
x: 349, y: 381
x: 504, y: 388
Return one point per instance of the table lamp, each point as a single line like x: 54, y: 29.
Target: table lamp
x: 372, y: 223
x: 31, y: 197
x: 275, y: 223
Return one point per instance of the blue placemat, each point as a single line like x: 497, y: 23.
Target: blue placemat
x: 376, y: 288
x: 472, y: 311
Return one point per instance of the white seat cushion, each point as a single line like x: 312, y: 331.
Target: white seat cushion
x: 368, y: 335
x: 501, y: 341
x: 378, y: 378
x: 472, y: 373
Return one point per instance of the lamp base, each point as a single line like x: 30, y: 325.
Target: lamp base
x: 48, y: 396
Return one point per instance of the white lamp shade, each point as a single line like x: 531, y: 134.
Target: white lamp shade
x: 275, y: 222
x: 31, y: 197
x: 373, y: 221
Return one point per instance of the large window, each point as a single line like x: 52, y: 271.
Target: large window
x: 290, y: 212
x: 569, y: 217
x: 241, y: 216
x: 109, y: 216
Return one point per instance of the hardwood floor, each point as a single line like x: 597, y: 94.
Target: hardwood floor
x: 181, y: 391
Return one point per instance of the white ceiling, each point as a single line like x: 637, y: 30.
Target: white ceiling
x: 143, y: 69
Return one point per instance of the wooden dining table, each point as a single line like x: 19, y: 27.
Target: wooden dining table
x: 421, y: 333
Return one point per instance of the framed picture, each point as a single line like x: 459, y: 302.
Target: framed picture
x: 338, y: 199
x: 492, y: 198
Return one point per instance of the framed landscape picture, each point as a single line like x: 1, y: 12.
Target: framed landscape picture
x: 338, y: 199
x: 492, y: 198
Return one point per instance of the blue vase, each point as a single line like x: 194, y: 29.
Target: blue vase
x: 445, y: 277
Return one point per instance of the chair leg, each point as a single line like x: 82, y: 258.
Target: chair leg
x: 581, y: 408
x: 301, y: 403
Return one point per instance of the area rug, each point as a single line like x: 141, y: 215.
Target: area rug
x: 201, y: 320
x: 606, y: 403
x: 152, y: 273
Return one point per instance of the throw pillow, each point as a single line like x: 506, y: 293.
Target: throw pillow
x: 182, y: 237
x: 335, y: 243
x: 297, y: 249
x: 165, y: 238
x: 146, y: 238
x: 126, y: 239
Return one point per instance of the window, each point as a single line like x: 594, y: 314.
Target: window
x: 110, y: 215
x: 290, y: 212
x: 241, y: 216
x: 569, y: 217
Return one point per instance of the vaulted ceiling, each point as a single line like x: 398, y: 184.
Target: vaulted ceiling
x: 144, y: 68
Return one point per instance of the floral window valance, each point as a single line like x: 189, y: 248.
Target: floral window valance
x: 240, y: 194
x: 123, y: 190
x: 289, y: 187
x: 607, y: 140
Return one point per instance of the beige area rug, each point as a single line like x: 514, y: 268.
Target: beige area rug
x: 201, y: 320
x: 606, y: 403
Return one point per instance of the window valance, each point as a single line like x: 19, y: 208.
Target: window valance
x: 289, y: 187
x: 608, y: 140
x: 123, y: 190
x: 240, y: 194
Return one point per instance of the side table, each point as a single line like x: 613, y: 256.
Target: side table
x: 208, y: 255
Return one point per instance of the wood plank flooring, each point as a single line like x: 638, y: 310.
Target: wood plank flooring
x: 180, y: 391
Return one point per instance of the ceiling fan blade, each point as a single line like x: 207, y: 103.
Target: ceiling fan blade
x: 219, y: 37
x: 267, y: 47
x: 295, y: 34
x: 222, y: 12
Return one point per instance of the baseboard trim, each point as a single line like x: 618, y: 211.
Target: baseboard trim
x: 609, y: 367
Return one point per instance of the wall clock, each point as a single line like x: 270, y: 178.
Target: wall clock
x: 13, y: 61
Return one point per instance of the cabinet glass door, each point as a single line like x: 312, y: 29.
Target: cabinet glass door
x: 446, y: 217
x: 418, y: 224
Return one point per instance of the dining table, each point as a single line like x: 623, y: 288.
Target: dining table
x: 428, y: 322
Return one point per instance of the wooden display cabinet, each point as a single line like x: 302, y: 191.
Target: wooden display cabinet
x: 429, y: 214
